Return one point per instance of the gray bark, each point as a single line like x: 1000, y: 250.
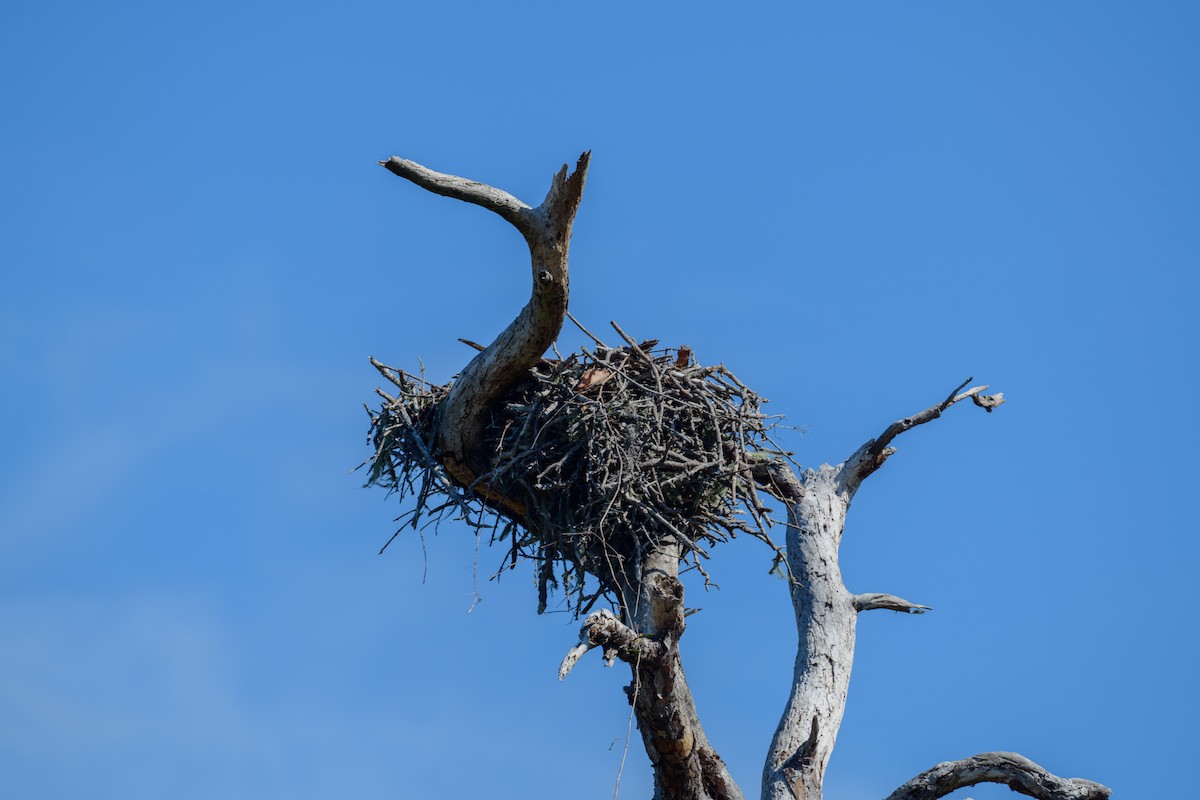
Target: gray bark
x: 826, y: 613
x: 825, y: 619
x: 874, y: 600
x: 646, y: 636
x: 1017, y: 772
x: 547, y: 231
x: 686, y: 765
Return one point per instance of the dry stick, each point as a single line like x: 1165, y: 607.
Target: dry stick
x: 1019, y: 773
x: 588, y: 333
x: 446, y: 488
x: 708, y: 581
x: 687, y: 408
x: 387, y: 372
x: 629, y: 340
x: 897, y: 428
x: 608, y: 551
x: 692, y: 470
x: 870, y: 457
x: 619, y: 370
x: 653, y: 365
x: 672, y: 529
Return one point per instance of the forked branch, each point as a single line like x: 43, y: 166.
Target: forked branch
x: 495, y: 370
x: 871, y: 455
x: 1019, y: 773
x: 480, y: 194
x: 826, y: 612
x: 646, y: 635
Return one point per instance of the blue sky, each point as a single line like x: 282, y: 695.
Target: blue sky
x: 853, y: 206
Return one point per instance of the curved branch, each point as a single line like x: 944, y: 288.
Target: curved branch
x: 547, y: 230
x: 871, y: 455
x: 1019, y: 773
x: 480, y: 194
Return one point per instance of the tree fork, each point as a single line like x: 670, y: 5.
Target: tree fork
x: 686, y: 766
x: 647, y: 633
x: 826, y: 614
x: 500, y: 365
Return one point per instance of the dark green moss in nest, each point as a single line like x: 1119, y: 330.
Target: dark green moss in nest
x: 602, y: 455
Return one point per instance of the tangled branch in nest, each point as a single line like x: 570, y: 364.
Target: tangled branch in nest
x: 596, y: 458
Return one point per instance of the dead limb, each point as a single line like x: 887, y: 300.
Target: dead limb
x: 495, y: 370
x: 874, y: 600
x: 497, y: 200
x: 603, y: 629
x: 638, y: 538
x: 871, y: 455
x: 1017, y: 772
x: 825, y: 620
x: 826, y: 612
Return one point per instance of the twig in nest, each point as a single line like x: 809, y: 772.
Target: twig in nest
x: 609, y: 451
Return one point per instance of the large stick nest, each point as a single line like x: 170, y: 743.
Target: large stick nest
x: 595, y: 458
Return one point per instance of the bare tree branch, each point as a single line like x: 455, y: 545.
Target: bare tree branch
x: 603, y: 629
x: 871, y: 455
x: 780, y: 480
x: 1019, y: 773
x: 643, y: 572
x: 874, y: 600
x: 480, y: 194
x: 495, y: 370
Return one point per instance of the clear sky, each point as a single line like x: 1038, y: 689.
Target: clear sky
x: 854, y: 206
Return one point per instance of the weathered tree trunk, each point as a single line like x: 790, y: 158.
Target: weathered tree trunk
x: 825, y: 618
x: 826, y: 613
x: 686, y: 767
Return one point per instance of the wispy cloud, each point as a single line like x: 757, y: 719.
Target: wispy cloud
x: 146, y: 697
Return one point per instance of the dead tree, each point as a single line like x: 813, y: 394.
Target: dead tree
x: 613, y: 467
